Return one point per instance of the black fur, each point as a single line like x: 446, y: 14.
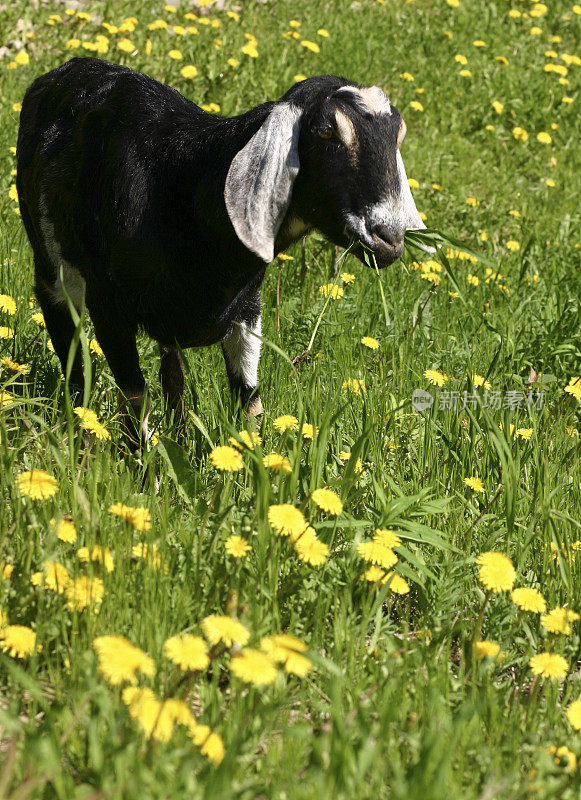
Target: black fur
x: 131, y: 175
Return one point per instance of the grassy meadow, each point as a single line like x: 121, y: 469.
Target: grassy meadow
x: 241, y: 633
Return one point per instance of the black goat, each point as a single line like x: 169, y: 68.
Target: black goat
x: 164, y: 217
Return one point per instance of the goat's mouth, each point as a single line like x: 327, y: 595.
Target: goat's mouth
x: 377, y: 246
x: 382, y: 252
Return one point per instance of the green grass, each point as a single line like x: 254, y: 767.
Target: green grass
x: 396, y: 705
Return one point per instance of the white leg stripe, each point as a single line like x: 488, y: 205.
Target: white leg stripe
x: 242, y: 349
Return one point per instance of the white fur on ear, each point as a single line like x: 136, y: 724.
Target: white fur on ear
x: 260, y: 180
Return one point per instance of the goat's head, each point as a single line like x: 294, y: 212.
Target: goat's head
x: 328, y: 155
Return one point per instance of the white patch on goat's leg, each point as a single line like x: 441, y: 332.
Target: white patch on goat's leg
x: 242, y: 352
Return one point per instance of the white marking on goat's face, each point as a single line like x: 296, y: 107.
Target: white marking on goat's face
x: 369, y: 99
x: 346, y: 131
x: 376, y: 100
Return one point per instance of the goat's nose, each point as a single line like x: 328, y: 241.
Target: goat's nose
x: 389, y: 236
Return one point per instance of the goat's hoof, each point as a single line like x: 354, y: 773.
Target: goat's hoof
x: 254, y: 408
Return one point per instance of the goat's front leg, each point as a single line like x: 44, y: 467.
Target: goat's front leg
x: 241, y: 353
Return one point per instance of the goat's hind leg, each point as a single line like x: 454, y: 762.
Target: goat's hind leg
x: 172, y: 384
x: 58, y: 320
x: 117, y: 339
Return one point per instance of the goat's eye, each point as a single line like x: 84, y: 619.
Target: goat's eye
x: 326, y: 132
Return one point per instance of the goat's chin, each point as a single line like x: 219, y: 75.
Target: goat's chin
x: 384, y: 255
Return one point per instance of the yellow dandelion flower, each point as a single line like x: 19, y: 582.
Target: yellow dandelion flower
x: 119, y: 660
x: 140, y: 518
x: 373, y: 574
x: 36, y: 484
x: 38, y: 318
x: 90, y: 422
x: 524, y: 433
x: 312, y: 46
x: 6, y: 399
x: 435, y: 377
x: 22, y: 58
x: 277, y: 463
x: 486, y: 649
x: 544, y: 138
x: 252, y: 666
x: 370, y: 342
x: 475, y: 484
x: 7, y: 304
x: 14, y: 366
x: 332, y: 291
x: 126, y: 45
x: 156, y: 719
x: 226, y: 459
x: 54, y: 576
x: 529, y: 599
x: 249, y: 439
x: 355, y: 385
x: 563, y: 757
x: 188, y: 652
x: 416, y: 105
x: 250, y: 50
x: 479, y: 380
x: 461, y: 59
x: 237, y: 546
x: 299, y: 77
x: 465, y: 73
x: 176, y: 55
x: 377, y: 553
x: 496, y: 572
x: 328, y: 501
x: 18, y: 641
x: 84, y: 592
x: 574, y: 387
x: 233, y: 62
x: 558, y: 620
x: 6, y: 571
x: 308, y: 431
x: 386, y: 538
x: 347, y: 277
x: 472, y: 201
x: 149, y: 553
x: 520, y: 134
x: 188, y: 71
x: 224, y: 629
x: 345, y: 455
x: 287, y: 520
x: 95, y: 347
x: 210, y: 743
x: 407, y: 76
x: 310, y: 549
x: 397, y: 584
x: 549, y: 665
x: 99, y: 554
x: 285, y: 422
x: 498, y: 107
x: 72, y: 44
x: 288, y: 650
x: 574, y: 714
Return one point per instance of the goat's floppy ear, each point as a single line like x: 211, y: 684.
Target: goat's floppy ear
x: 260, y: 180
